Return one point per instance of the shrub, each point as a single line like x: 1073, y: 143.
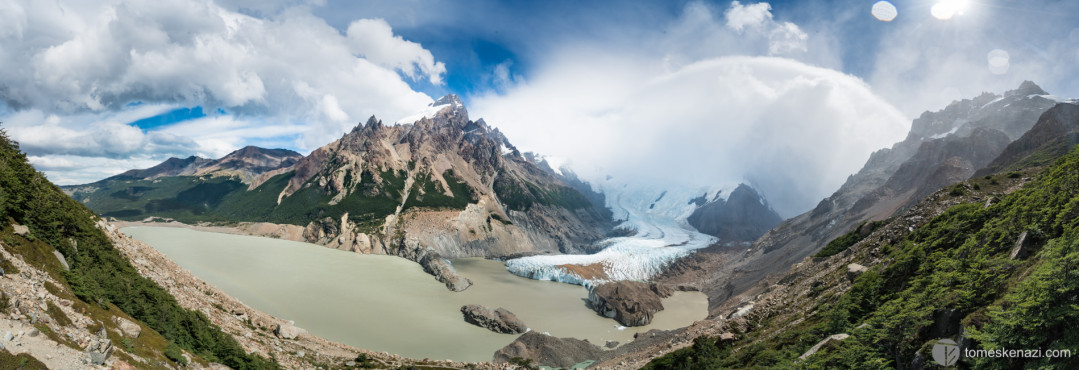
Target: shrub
x: 172, y: 351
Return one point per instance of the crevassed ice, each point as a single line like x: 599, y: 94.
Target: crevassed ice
x: 662, y: 236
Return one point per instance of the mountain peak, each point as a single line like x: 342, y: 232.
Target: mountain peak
x: 1027, y: 88
x: 450, y: 99
x: 449, y: 102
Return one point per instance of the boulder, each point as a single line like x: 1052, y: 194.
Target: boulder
x: 611, y: 344
x: 288, y: 331
x: 816, y: 347
x: 1023, y: 245
x: 434, y: 264
x: 60, y: 257
x: 98, y: 358
x: 549, y: 351
x: 499, y: 320
x: 127, y: 327
x: 854, y: 270
x: 631, y: 303
x: 742, y: 311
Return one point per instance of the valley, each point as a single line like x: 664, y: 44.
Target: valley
x: 385, y: 303
x: 457, y: 199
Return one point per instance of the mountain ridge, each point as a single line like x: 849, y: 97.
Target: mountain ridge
x: 443, y: 186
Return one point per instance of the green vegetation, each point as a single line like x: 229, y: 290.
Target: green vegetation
x: 99, y: 274
x: 520, y: 196
x: 192, y: 199
x: 21, y: 361
x: 173, y: 353
x: 957, y: 265
x: 57, y: 315
x: 429, y: 193
x: 847, y: 240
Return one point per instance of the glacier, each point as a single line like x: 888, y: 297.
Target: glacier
x: 657, y: 215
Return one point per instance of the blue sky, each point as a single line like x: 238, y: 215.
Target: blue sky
x: 93, y: 88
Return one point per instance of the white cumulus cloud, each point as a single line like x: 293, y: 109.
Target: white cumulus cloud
x: 783, y: 37
x: 74, y: 69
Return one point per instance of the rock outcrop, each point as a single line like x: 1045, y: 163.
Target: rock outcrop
x: 288, y: 331
x: 631, y: 303
x: 743, y: 217
x: 454, y: 186
x: 499, y: 320
x: 434, y: 264
x: 941, y: 148
x: 549, y: 351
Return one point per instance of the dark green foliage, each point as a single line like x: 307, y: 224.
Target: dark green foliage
x: 429, y: 193
x: 191, y: 199
x: 520, y: 196
x: 847, y: 240
x: 99, y: 274
x: 958, y: 263
x: 172, y: 352
x: 957, y: 190
x: 499, y: 218
x: 22, y: 361
x: 57, y: 314
x: 524, y: 363
x: 705, y: 353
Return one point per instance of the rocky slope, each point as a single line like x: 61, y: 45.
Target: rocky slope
x: 442, y: 186
x: 444, y: 181
x: 743, y: 217
x: 75, y: 293
x: 499, y: 320
x: 631, y: 303
x: 983, y: 262
x: 1056, y: 131
x: 942, y: 147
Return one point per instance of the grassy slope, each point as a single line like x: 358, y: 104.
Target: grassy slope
x: 100, y: 278
x: 960, y: 260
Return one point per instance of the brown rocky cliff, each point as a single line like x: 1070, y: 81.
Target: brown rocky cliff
x: 631, y: 303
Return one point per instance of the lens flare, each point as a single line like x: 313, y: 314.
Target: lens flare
x: 946, y: 9
x: 999, y: 61
x: 884, y: 11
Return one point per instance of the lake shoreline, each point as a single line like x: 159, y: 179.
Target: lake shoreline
x: 545, y: 306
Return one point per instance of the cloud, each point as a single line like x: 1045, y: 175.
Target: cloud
x: 690, y: 106
x: 923, y: 63
x: 792, y: 130
x: 739, y: 16
x: 82, y: 65
x: 374, y: 39
x: 783, y: 37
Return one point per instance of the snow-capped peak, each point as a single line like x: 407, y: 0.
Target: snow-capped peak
x: 446, y: 102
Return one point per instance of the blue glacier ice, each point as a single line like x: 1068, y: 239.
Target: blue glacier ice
x: 658, y: 216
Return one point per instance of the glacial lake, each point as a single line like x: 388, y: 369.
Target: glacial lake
x: 385, y: 303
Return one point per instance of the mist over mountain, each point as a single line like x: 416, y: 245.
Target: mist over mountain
x: 750, y: 120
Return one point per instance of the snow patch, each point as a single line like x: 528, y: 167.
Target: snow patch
x: 428, y: 113
x: 942, y: 135
x: 992, y: 102
x: 1053, y: 98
